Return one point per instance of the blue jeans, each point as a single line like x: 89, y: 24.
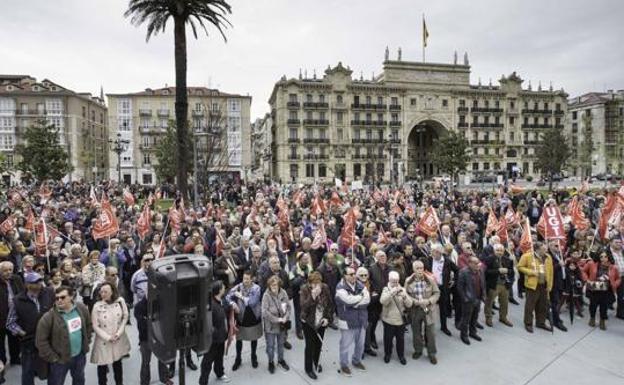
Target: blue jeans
x: 76, y: 366
x: 348, y: 338
x: 29, y: 355
x: 271, y: 340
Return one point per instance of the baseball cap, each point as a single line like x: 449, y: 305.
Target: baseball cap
x: 33, y: 278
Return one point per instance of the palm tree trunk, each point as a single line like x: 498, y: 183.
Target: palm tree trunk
x: 181, y: 103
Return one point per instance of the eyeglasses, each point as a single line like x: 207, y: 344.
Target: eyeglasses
x: 113, y: 275
x: 363, y: 275
x: 148, y: 259
x: 349, y: 274
x: 60, y: 297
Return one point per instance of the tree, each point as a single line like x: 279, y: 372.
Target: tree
x: 196, y: 13
x: 552, y: 153
x: 587, y: 148
x: 4, y: 167
x: 42, y: 155
x: 167, y: 155
x: 450, y: 154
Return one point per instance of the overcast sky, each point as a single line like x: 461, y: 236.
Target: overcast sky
x: 82, y: 44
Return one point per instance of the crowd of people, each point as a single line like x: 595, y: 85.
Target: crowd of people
x: 290, y: 262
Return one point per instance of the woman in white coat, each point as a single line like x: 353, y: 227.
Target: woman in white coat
x: 109, y: 318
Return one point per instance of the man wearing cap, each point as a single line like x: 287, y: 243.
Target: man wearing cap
x: 25, y: 311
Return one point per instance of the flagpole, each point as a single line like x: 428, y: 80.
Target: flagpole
x: 424, y: 37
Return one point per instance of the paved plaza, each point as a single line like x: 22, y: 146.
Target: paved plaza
x: 507, y: 356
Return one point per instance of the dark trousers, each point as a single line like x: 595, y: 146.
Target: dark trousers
x: 536, y: 301
x: 521, y: 288
x: 313, y: 345
x: 14, y: 346
x: 456, y: 306
x: 297, y: 309
x: 29, y: 357
x: 102, y: 372
x: 239, y: 349
x: 620, y: 300
x: 598, y: 300
x: 394, y: 332
x: 470, y: 314
x: 146, y: 359
x: 445, y: 306
x: 374, y: 314
x: 214, y: 358
x: 75, y: 366
x: 555, y: 295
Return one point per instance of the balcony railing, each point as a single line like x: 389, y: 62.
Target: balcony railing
x: 486, y: 110
x: 537, y: 126
x: 294, y: 121
x: 559, y: 112
x: 463, y: 125
x: 163, y: 112
x: 293, y: 157
x: 316, y: 140
x: 462, y: 109
x: 536, y: 111
x: 320, y: 105
x: 292, y: 104
x: 369, y: 106
x: 316, y: 122
x: 315, y: 156
x: 486, y: 125
x: 489, y: 142
x: 198, y: 113
x: 395, y: 107
x: 374, y: 123
x: 395, y: 123
x: 293, y: 140
x: 145, y: 112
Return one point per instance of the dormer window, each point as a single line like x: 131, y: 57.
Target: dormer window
x: 165, y: 92
x: 35, y: 88
x: 9, y: 88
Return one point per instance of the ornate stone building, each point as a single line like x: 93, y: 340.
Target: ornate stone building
x: 80, y: 118
x: 340, y: 127
x: 597, y: 133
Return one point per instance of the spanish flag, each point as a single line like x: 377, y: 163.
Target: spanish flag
x: 425, y: 32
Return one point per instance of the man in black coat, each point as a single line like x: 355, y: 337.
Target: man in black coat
x: 471, y: 288
x: 378, y: 272
x: 441, y: 268
x: 214, y: 357
x: 11, y: 285
x: 558, y: 278
x: 498, y: 273
x: 164, y: 373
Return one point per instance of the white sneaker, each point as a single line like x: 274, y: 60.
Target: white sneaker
x: 224, y: 378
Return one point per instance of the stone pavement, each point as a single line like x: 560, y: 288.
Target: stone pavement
x: 507, y: 356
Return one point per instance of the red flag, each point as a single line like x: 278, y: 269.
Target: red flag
x: 318, y: 206
x: 396, y: 209
x: 607, y: 211
x: 492, y: 223
x: 578, y: 216
x: 526, y: 240
x: 128, y: 197
x: 429, y: 222
x: 510, y: 217
x: 502, y: 230
x: 144, y: 222
x: 219, y: 243
x: 30, y: 220
x: 541, y: 227
x: 106, y: 223
x: 174, y: 218
x: 41, y: 236
x: 347, y: 236
x: 320, y: 237
x: 515, y: 189
x: 8, y: 224
x: 298, y: 198
x: 335, y: 199
x: 553, y: 223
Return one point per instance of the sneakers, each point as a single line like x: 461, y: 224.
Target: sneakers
x: 224, y: 379
x: 345, y: 371
x: 359, y: 366
x: 284, y: 365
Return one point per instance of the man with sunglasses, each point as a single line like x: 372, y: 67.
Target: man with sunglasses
x: 63, y: 338
x: 25, y: 311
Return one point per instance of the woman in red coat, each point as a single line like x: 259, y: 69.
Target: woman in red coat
x: 602, y: 278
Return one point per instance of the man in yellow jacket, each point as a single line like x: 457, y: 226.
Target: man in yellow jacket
x: 537, y: 267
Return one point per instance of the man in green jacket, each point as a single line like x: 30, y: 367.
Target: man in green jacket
x: 63, y: 338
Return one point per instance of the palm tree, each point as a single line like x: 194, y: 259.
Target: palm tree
x: 196, y: 13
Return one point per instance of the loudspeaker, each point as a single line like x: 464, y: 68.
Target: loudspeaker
x: 178, y: 300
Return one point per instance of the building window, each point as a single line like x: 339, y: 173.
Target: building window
x: 486, y: 165
x: 309, y: 115
x: 309, y: 133
x: 357, y: 170
x: 322, y: 115
x: 368, y: 99
x: 512, y: 104
x: 381, y: 170
x: 339, y: 99
x: 339, y: 134
x: 475, y: 166
x: 146, y: 158
x: 413, y: 101
x: 292, y: 133
x: 379, y: 118
x: 339, y: 117
x: 294, y: 171
x: 574, y: 115
x: 462, y: 103
x: 475, y: 103
x: 146, y: 142
x: 293, y: 152
x: 292, y: 115
x: 444, y: 103
x: 512, y: 120
x: 497, y: 104
x: 309, y: 170
x: 394, y: 101
x: 379, y: 100
x: 292, y: 97
x: 234, y: 105
x: 322, y: 170
x: 322, y: 98
x: 356, y: 99
x: 511, y: 136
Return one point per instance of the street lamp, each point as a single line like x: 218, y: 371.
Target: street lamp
x: 119, y: 146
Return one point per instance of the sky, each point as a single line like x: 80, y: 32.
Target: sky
x: 85, y: 44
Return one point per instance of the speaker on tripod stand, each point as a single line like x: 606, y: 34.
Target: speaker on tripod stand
x: 178, y: 303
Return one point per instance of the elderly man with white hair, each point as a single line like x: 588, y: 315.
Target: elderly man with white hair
x: 395, y: 302
x: 497, y: 268
x: 378, y: 272
x: 443, y: 271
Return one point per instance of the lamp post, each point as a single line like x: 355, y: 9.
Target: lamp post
x: 119, y: 146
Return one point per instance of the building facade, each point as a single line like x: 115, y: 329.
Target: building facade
x: 597, y: 133
x: 356, y: 129
x: 80, y: 118
x: 220, y: 124
x: 261, y: 147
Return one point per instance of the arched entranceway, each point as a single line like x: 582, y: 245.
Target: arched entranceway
x: 420, y: 144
